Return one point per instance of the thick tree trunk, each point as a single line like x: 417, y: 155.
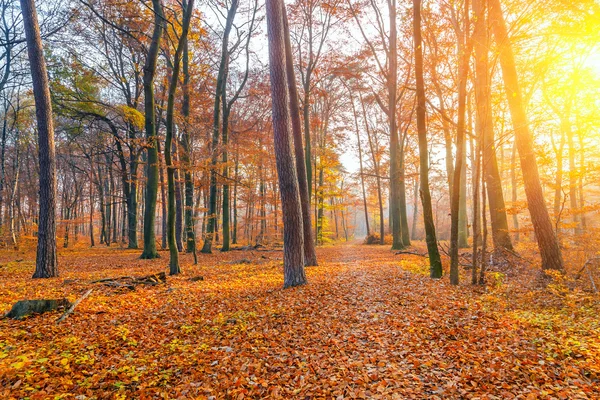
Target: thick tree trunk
x: 293, y: 238
x: 46, y: 265
x: 150, y: 251
x: 435, y: 261
x: 310, y: 255
x: 542, y: 225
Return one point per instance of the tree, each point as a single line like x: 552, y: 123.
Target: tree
x: 435, y: 262
x: 174, y: 268
x: 221, y: 87
x: 150, y: 251
x: 460, y: 149
x: 293, y: 246
x: 542, y: 225
x: 310, y: 255
x: 46, y: 265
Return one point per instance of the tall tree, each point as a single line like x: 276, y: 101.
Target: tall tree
x: 293, y: 238
x: 150, y: 251
x: 542, y: 225
x: 46, y: 264
x: 497, y: 207
x: 219, y: 99
x: 310, y: 254
x: 435, y: 262
x: 174, y: 268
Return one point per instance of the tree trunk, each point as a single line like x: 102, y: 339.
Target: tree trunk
x: 460, y: 166
x: 220, y: 88
x: 150, y: 251
x: 377, y: 175
x: 310, y: 255
x: 186, y: 146
x: 500, y: 234
x: 435, y: 261
x: 178, y: 204
x: 163, y: 197
x: 293, y: 238
x: 46, y: 265
x: 174, y: 267
x: 542, y: 225
x: 360, y: 163
x: 392, y: 86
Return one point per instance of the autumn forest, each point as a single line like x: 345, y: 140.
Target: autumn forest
x: 321, y: 199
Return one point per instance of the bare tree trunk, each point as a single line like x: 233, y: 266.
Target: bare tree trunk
x: 163, y: 197
x: 220, y: 88
x: 310, y: 254
x: 377, y: 175
x: 435, y: 261
x: 392, y: 86
x: 150, y: 251
x: 178, y: 205
x: 174, y: 267
x: 513, y: 187
x: 460, y: 149
x: 542, y: 225
x: 498, y: 218
x: 581, y: 175
x: 293, y: 238
x: 46, y: 265
x: 360, y: 163
x: 92, y: 243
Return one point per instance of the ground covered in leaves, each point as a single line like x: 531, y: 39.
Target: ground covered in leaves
x: 370, y: 324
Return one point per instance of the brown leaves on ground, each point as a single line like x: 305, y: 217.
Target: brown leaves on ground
x: 370, y: 324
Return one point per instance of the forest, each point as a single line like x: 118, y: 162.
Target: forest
x: 302, y: 199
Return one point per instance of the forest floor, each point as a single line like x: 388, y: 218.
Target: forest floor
x: 369, y: 324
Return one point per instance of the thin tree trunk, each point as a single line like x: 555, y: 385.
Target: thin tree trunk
x: 150, y: 251
x: 435, y: 261
x: 377, y: 175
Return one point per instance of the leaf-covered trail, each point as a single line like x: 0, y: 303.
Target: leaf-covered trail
x: 369, y: 324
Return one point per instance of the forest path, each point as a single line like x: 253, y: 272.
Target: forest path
x: 369, y: 324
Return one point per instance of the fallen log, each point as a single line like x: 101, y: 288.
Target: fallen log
x: 130, y: 282
x: 72, y: 308
x: 23, y: 308
x: 414, y: 253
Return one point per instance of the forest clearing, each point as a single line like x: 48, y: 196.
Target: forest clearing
x: 370, y: 324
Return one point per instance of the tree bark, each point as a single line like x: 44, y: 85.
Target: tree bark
x: 310, y: 255
x: 435, y: 262
x: 293, y: 238
x: 46, y: 265
x: 150, y: 251
x: 542, y: 225
x: 220, y: 89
